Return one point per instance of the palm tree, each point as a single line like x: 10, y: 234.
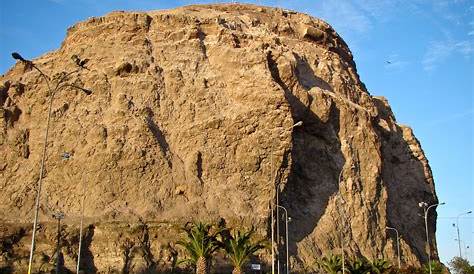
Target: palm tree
x: 436, y: 268
x: 359, y: 266
x: 200, y: 243
x: 239, y: 247
x: 380, y: 266
x: 331, y: 264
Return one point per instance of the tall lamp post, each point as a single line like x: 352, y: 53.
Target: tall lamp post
x: 343, y: 215
x: 457, y: 227
x: 61, y: 83
x: 59, y: 216
x: 297, y: 124
x: 286, y: 242
x: 426, y: 209
x: 342, y: 230
x: 80, y: 229
x: 398, y: 243
x: 82, y: 221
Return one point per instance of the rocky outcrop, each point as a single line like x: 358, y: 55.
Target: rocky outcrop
x: 191, y: 118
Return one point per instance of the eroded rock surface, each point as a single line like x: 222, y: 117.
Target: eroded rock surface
x: 191, y: 118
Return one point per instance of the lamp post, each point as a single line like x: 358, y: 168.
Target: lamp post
x: 398, y: 243
x: 59, y: 216
x: 297, y: 124
x: 80, y: 229
x: 82, y: 220
x: 59, y: 85
x: 342, y: 230
x: 457, y: 227
x: 286, y: 242
x: 342, y: 214
x: 426, y: 209
x: 273, y: 238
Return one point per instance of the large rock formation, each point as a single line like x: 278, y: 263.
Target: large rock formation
x: 191, y: 118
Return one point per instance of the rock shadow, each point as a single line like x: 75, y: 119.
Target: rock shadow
x: 87, y: 258
x: 316, y: 150
x: 159, y: 136
x: 403, y: 174
x: 306, y: 76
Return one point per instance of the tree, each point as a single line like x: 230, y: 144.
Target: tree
x: 461, y: 266
x: 201, y: 243
x: 239, y: 247
x: 331, y: 264
x: 436, y: 268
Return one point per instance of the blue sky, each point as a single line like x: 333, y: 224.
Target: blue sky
x: 429, y: 83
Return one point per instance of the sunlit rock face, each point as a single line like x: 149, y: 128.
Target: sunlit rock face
x: 191, y: 118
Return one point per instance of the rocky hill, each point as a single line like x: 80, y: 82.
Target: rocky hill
x: 191, y: 118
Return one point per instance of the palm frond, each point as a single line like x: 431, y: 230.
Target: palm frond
x: 200, y: 241
x: 240, y: 247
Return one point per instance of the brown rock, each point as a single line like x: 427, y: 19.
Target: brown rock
x: 191, y: 119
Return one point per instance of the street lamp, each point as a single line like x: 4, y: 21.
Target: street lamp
x: 426, y: 209
x: 59, y: 216
x: 457, y: 227
x: 286, y: 242
x: 398, y: 243
x: 61, y: 83
x: 297, y: 124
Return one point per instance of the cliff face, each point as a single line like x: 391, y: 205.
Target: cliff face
x: 191, y: 118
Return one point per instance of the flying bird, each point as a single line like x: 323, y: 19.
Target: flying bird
x: 388, y: 62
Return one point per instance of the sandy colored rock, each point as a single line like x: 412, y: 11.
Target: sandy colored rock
x: 191, y: 118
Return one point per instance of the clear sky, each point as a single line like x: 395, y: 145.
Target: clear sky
x: 429, y: 83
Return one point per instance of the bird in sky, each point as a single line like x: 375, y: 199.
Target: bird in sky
x: 388, y: 62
